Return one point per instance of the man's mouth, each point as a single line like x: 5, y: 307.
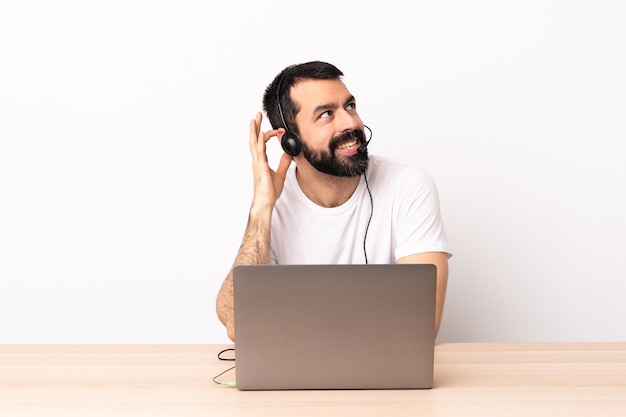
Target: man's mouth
x: 348, y: 144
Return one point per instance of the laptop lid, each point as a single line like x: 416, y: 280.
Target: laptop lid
x: 334, y: 326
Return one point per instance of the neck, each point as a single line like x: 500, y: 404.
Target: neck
x: 323, y: 189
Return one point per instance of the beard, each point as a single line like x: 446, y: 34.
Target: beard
x: 326, y: 161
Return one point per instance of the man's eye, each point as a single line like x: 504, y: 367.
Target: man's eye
x: 326, y: 114
x: 351, y: 106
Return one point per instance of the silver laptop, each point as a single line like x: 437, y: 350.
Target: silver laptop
x: 334, y: 326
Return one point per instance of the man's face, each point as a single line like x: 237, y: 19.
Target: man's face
x: 330, y: 128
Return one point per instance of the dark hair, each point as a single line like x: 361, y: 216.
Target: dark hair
x: 286, y: 79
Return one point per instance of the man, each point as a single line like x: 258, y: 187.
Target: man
x: 336, y: 204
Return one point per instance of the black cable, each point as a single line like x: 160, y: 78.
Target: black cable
x: 370, y: 219
x: 219, y: 356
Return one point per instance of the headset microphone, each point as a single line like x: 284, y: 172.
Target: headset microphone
x: 363, y: 146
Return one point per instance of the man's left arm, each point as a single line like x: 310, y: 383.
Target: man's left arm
x: 440, y: 260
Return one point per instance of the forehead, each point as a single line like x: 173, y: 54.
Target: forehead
x: 313, y: 94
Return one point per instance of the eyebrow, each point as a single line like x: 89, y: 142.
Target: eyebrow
x: 324, y: 107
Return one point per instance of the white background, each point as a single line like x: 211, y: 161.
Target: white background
x: 124, y: 160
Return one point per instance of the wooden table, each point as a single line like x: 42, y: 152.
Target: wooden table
x: 471, y: 379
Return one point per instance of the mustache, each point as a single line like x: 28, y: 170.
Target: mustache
x: 351, y: 134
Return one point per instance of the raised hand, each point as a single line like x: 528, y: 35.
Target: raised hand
x: 268, y: 183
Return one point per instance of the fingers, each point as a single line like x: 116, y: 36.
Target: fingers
x: 273, y: 133
x: 254, y: 135
x: 283, y: 165
x: 255, y: 128
x: 258, y: 138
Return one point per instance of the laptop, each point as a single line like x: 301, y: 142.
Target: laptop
x: 303, y: 327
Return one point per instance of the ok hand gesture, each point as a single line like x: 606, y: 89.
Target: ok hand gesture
x: 268, y: 183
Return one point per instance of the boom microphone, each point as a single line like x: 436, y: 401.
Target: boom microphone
x: 363, y: 146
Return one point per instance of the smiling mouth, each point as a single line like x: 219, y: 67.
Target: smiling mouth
x: 348, y: 144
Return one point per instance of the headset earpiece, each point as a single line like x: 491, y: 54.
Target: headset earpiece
x: 290, y: 142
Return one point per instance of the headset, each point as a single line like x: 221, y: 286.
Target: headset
x: 290, y: 142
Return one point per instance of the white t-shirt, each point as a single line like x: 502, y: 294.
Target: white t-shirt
x: 405, y: 219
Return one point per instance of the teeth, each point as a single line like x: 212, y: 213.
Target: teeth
x: 347, y: 145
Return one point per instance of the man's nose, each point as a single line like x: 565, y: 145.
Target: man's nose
x: 347, y: 120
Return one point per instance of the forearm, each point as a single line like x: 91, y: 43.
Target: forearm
x: 254, y: 250
x: 442, y: 285
x: 440, y: 260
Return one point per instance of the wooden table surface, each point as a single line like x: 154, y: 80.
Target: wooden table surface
x: 471, y: 379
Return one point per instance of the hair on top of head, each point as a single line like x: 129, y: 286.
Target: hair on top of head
x: 287, y: 78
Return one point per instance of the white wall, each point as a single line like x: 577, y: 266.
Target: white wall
x: 123, y: 154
